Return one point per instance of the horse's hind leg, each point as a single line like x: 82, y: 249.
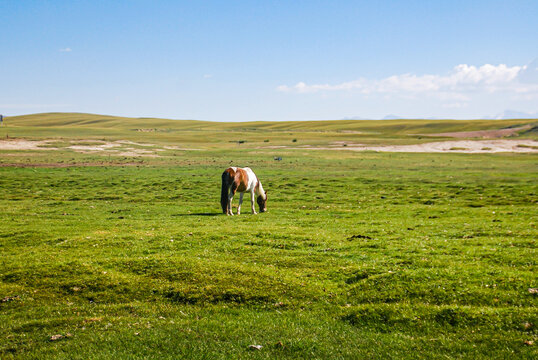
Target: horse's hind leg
x: 240, y: 202
x: 230, y: 199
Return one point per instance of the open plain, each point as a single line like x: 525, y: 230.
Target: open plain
x: 113, y: 244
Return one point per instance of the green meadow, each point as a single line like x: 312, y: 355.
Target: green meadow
x: 361, y: 255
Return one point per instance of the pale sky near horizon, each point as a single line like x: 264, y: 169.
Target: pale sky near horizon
x: 269, y: 60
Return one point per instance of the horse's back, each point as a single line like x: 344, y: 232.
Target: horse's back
x: 243, y: 178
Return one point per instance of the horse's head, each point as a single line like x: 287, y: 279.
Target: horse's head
x: 262, y: 202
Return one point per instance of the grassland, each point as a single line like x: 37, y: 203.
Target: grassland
x: 361, y: 255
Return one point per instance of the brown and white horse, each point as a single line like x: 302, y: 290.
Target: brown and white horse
x: 242, y: 180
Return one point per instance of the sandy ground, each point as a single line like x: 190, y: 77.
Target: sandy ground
x: 118, y: 148
x: 456, y: 146
x: 463, y: 146
x: 499, y: 133
x: 89, y: 148
x: 113, y: 148
x: 21, y: 144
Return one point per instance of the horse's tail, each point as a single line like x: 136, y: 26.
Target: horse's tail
x: 224, y: 191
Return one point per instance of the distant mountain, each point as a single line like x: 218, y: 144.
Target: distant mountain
x: 512, y: 114
x: 392, y: 117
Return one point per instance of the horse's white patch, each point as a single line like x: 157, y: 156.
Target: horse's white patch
x: 252, y: 179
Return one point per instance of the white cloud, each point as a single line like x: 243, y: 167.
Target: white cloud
x: 67, y: 49
x: 457, y: 85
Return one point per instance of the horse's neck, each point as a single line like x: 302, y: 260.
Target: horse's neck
x: 259, y: 189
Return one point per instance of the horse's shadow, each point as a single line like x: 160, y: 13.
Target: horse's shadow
x: 200, y: 214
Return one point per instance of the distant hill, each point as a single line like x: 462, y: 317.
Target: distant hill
x: 96, y: 121
x: 46, y: 123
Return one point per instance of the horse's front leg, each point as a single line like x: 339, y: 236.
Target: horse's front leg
x: 230, y: 198
x: 240, y: 202
x: 252, y: 202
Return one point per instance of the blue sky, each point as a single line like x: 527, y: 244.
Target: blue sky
x: 269, y: 60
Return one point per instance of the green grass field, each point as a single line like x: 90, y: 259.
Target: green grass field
x: 361, y: 254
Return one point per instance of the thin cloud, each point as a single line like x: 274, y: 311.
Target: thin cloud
x: 32, y: 106
x: 462, y: 80
x: 457, y: 105
x: 67, y: 49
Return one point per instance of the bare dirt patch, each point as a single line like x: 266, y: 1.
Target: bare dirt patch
x: 99, y: 147
x: 22, y: 144
x: 68, y: 165
x: 486, y: 134
x: 456, y: 146
x: 453, y: 146
x: 137, y: 152
x: 118, y: 148
x: 90, y: 148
